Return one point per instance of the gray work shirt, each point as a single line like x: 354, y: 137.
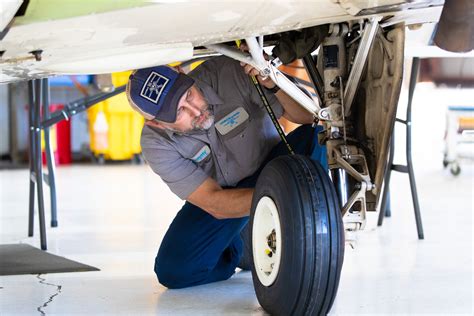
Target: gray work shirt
x: 232, y: 149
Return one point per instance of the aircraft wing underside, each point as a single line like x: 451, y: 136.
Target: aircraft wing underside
x: 160, y: 32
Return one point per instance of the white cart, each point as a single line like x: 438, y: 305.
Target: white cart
x: 459, y: 138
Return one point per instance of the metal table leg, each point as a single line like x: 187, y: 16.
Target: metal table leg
x: 31, y: 155
x: 413, y: 79
x: 409, y: 166
x: 38, y: 162
x: 49, y: 155
x: 386, y: 181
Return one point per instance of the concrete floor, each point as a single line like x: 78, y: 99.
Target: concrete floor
x: 113, y: 217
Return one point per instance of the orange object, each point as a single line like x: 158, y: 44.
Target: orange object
x: 466, y: 123
x: 295, y: 69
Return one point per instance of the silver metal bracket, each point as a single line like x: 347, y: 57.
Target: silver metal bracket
x: 354, y: 159
x: 355, y: 220
x: 345, y: 158
x: 331, y: 114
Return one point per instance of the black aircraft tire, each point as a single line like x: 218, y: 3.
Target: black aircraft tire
x: 311, y: 235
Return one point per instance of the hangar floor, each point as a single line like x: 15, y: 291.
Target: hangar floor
x: 114, y: 217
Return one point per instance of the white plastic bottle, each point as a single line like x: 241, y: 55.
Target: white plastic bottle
x: 101, y: 129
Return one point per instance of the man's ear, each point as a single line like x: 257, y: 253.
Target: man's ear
x: 154, y: 123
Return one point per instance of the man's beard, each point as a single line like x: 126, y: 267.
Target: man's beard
x: 207, y: 118
x: 203, y: 122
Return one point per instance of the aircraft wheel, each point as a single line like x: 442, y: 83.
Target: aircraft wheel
x: 297, y: 238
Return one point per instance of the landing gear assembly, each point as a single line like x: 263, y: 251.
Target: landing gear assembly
x: 301, y: 214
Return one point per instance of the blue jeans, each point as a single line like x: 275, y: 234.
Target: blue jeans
x: 198, y: 248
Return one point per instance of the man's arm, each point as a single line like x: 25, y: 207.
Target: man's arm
x: 292, y: 111
x: 222, y: 203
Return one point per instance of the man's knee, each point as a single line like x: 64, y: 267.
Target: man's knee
x: 172, y: 274
x: 177, y: 273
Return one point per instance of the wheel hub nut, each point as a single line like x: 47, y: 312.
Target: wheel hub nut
x: 271, y: 240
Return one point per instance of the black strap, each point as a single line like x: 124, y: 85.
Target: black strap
x: 272, y: 114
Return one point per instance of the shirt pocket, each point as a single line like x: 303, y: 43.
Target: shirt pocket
x: 237, y: 133
x: 233, y: 124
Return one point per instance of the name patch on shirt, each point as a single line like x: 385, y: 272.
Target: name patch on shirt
x: 232, y: 120
x: 201, y: 154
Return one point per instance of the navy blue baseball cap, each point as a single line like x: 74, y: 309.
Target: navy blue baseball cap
x: 155, y: 92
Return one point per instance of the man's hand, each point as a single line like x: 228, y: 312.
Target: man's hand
x: 267, y: 82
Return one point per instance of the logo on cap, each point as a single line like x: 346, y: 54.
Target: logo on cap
x: 153, y: 87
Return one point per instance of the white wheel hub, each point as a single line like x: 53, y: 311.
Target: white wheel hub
x: 266, y: 241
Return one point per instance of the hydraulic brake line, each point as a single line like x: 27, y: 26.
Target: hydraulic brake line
x: 269, y: 109
x: 271, y: 113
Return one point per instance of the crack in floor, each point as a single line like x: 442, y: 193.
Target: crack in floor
x: 58, y: 291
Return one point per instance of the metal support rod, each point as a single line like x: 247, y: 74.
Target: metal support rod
x: 256, y: 51
x: 281, y: 80
x: 233, y: 53
x: 314, y: 75
x: 386, y: 181
x: 388, y: 209
x: 38, y: 162
x: 360, y: 60
x: 31, y: 155
x: 341, y: 183
x: 78, y: 106
x: 413, y: 79
x: 50, y: 163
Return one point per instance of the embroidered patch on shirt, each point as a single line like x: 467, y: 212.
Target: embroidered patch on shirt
x: 201, y: 154
x: 232, y: 120
x: 153, y: 87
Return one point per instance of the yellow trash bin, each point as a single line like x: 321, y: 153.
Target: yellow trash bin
x: 117, y: 137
